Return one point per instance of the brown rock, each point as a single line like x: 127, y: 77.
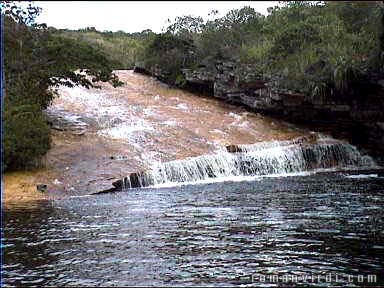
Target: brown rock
x: 233, y: 148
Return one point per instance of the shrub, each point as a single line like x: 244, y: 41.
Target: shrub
x: 26, y: 136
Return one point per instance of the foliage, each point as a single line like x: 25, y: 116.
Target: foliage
x: 315, y: 47
x: 170, y: 53
x: 120, y: 48
x: 36, y: 61
x: 26, y: 136
x: 186, y: 26
x: 227, y: 35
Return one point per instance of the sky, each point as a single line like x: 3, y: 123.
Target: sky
x: 133, y: 16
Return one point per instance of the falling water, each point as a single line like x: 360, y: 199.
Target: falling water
x: 261, y: 159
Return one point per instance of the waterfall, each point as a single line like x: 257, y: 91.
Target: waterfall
x: 302, y: 154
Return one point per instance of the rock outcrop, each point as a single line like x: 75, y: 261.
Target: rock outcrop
x: 359, y: 118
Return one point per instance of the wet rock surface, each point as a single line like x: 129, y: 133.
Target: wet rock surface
x: 66, y: 121
x: 126, y: 129
x: 312, y: 153
x: 357, y: 118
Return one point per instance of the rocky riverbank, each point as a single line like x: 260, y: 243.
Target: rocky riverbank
x: 102, y: 135
x: 358, y: 118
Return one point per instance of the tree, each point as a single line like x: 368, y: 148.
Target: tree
x: 36, y: 59
x: 186, y: 26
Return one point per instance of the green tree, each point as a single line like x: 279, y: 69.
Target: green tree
x: 171, y: 53
x: 36, y: 60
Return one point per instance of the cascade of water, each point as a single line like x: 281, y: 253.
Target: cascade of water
x: 264, y: 158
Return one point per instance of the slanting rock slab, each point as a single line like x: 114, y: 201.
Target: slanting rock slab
x: 303, y: 140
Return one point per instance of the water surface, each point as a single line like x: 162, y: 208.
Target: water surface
x: 210, y: 234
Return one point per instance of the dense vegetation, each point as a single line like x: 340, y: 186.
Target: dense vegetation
x: 122, y: 49
x: 36, y: 61
x: 318, y: 48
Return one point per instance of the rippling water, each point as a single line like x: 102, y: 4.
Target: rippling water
x: 226, y: 233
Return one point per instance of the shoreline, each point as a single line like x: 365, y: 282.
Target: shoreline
x: 20, y: 186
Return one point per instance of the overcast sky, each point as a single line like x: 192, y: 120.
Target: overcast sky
x: 133, y: 16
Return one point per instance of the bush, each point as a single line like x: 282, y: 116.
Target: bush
x: 121, y: 49
x: 26, y: 137
x: 170, y: 53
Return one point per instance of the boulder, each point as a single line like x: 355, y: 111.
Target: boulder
x: 233, y: 148
x: 133, y: 180
x: 42, y: 187
x: 118, y: 184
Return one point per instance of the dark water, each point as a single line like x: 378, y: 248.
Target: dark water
x: 230, y: 233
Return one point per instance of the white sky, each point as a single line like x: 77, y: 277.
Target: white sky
x: 133, y: 16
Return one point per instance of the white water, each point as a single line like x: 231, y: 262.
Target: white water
x: 362, y: 176
x: 141, y: 123
x: 125, y: 130
x: 265, y: 159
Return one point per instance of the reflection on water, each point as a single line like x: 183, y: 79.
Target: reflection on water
x: 219, y: 233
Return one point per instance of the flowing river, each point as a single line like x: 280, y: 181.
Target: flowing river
x: 205, y: 194
x: 223, y: 233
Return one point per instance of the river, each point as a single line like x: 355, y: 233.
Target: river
x: 224, y: 233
